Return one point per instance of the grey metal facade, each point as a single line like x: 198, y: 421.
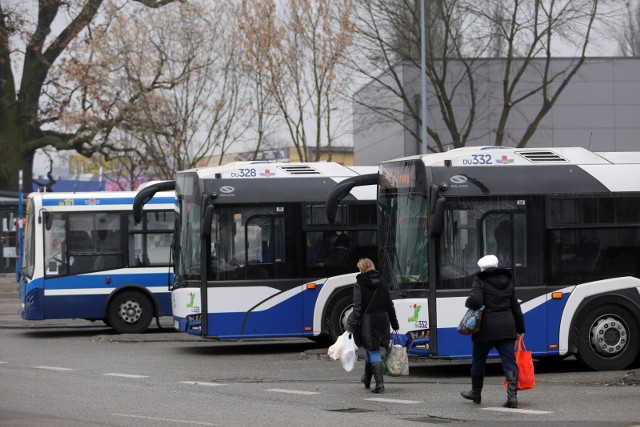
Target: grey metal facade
x: 599, y: 110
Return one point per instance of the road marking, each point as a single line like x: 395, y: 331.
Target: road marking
x: 3, y: 362
x: 520, y: 411
x: 201, y: 383
x: 281, y: 390
x: 114, y: 374
x: 171, y: 420
x: 54, y: 368
x: 406, y: 402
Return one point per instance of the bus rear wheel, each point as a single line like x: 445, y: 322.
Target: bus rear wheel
x: 338, y: 315
x: 608, y: 338
x: 130, y: 312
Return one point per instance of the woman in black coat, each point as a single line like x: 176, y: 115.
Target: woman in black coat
x: 502, y: 323
x: 373, y: 315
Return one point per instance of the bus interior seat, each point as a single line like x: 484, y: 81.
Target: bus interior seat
x: 80, y: 246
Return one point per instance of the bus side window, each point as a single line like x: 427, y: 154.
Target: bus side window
x: 55, y: 246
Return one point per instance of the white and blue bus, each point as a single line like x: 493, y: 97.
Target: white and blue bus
x: 565, y: 221
x: 84, y: 257
x: 256, y: 256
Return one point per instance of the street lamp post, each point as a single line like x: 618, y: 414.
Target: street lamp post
x: 423, y: 82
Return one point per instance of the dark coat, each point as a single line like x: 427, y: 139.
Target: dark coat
x: 502, y: 318
x: 375, y: 325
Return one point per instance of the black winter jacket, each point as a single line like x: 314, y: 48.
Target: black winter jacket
x: 374, y: 327
x: 502, y: 318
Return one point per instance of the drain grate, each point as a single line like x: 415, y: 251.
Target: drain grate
x: 350, y: 410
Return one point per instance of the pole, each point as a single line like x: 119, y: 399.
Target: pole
x: 423, y: 66
x: 20, y: 227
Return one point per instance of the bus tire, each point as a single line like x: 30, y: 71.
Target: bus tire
x: 130, y: 312
x: 608, y: 338
x: 338, y: 314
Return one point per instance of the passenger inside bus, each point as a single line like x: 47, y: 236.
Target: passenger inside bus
x: 322, y: 247
x: 337, y: 254
x: 504, y: 241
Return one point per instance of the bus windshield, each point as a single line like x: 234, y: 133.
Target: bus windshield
x: 404, y: 240
x: 188, y: 261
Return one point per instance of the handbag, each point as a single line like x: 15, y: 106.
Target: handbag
x: 336, y: 348
x: 526, y: 375
x: 349, y: 354
x: 471, y: 321
x: 396, y: 362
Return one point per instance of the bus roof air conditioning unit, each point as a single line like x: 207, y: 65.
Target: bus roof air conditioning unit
x: 541, y: 156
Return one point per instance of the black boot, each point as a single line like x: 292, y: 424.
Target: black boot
x: 368, y: 373
x: 512, y: 389
x: 476, y: 389
x: 377, y: 374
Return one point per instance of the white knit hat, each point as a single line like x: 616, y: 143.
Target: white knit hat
x: 488, y: 261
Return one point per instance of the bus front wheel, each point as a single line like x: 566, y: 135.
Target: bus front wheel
x: 339, y: 313
x: 130, y: 312
x: 608, y: 338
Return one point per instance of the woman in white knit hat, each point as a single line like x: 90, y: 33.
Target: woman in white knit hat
x: 502, y: 323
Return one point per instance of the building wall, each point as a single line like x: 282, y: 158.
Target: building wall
x: 599, y: 110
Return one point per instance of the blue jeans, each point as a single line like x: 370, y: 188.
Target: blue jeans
x: 505, y: 349
x: 373, y: 356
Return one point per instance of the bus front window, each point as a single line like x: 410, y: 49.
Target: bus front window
x: 189, y: 248
x: 29, y: 241
x: 404, y: 240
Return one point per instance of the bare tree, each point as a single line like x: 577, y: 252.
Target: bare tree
x: 30, y: 49
x: 629, y: 40
x: 303, y: 71
x: 260, y: 35
x: 175, y: 86
x: 522, y: 33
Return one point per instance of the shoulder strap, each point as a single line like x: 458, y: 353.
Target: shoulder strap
x: 369, y: 305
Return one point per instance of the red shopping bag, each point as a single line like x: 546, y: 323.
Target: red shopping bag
x: 526, y: 377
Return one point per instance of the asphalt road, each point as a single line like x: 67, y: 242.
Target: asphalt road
x: 78, y: 373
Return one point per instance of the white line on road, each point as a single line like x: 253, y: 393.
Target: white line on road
x: 520, y: 411
x: 171, y: 420
x: 54, y: 368
x: 202, y: 383
x: 382, y: 399
x: 281, y: 390
x: 115, y: 374
x: 3, y: 362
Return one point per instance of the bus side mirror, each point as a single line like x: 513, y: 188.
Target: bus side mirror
x: 436, y: 222
x: 48, y: 220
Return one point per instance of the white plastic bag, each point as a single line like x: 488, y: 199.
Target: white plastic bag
x: 398, y: 361
x: 349, y: 354
x: 336, y: 349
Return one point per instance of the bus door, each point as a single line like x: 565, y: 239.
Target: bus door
x: 72, y: 248
x: 513, y: 233
x: 507, y: 227
x: 248, y: 294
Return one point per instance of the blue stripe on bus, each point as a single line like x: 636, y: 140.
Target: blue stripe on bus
x: 96, y: 201
x: 39, y: 307
x: 287, y: 319
x: 97, y: 281
x: 542, y: 330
